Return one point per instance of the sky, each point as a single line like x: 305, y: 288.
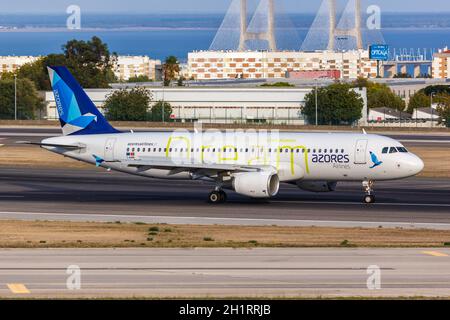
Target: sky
x: 196, y: 6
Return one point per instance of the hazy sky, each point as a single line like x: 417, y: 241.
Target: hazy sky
x: 200, y: 6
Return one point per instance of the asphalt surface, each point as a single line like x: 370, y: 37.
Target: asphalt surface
x: 9, y: 135
x: 224, y: 273
x: 98, y: 195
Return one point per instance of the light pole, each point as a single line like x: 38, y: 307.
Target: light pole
x: 432, y: 110
x: 163, y: 104
x: 15, y: 96
x: 316, y: 100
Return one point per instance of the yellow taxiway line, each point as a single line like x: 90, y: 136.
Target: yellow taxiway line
x: 18, y: 288
x: 435, y: 253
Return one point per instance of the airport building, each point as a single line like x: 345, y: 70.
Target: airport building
x: 441, y: 64
x: 220, y: 105
x: 207, y: 65
x: 128, y: 67
x: 13, y: 63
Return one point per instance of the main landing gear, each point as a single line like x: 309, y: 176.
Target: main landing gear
x: 217, y: 196
x: 369, y: 198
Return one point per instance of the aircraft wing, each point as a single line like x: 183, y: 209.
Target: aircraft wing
x: 187, y: 166
x: 69, y: 147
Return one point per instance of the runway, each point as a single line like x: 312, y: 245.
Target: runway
x: 98, y: 195
x: 224, y: 273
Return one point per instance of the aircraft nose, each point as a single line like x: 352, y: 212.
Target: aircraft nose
x: 419, y: 165
x: 415, y: 165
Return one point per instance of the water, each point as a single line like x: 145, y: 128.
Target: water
x: 164, y: 35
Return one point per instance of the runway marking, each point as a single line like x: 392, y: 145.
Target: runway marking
x: 232, y: 221
x: 18, y: 288
x: 435, y: 253
x: 361, y: 204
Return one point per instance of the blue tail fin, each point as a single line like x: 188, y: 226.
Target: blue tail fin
x: 77, y: 113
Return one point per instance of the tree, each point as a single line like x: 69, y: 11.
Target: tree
x: 380, y: 95
x: 277, y: 84
x: 337, y: 104
x: 443, y: 108
x: 171, y: 69
x: 437, y: 89
x: 90, y: 63
x: 128, y: 104
x: 156, y: 112
x: 37, y: 71
x: 141, y: 78
x: 28, y: 100
x: 418, y: 100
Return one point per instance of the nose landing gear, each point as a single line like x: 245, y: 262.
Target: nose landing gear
x: 369, y: 198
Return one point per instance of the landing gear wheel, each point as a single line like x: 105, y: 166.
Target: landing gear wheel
x: 215, y: 197
x: 369, y: 199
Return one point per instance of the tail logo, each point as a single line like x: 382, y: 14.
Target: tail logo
x: 77, y: 113
x: 375, y: 160
x: 73, y: 120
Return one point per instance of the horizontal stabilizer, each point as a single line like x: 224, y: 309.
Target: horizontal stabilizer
x: 69, y: 147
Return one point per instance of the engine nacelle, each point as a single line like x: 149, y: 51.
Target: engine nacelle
x: 256, y: 184
x: 317, y: 186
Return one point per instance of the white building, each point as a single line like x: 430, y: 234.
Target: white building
x: 441, y: 64
x: 219, y: 105
x: 205, y: 65
x: 13, y: 63
x: 128, y: 67
x: 426, y: 114
x: 387, y: 115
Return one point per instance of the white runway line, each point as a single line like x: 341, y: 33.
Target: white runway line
x: 7, y: 215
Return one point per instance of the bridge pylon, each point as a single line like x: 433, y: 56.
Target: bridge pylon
x: 268, y: 35
x: 335, y: 32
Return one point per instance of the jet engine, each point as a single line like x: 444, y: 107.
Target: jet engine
x: 317, y: 186
x: 256, y: 184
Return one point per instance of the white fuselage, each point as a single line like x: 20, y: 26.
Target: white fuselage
x: 294, y: 156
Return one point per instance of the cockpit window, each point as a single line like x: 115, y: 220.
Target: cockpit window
x: 393, y: 150
x: 386, y: 150
x: 402, y: 149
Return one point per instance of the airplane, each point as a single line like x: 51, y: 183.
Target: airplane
x: 248, y: 162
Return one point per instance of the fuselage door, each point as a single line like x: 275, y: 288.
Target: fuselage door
x: 109, y: 149
x: 361, y: 152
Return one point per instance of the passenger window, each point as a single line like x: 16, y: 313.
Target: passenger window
x: 393, y: 150
x: 385, y: 150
